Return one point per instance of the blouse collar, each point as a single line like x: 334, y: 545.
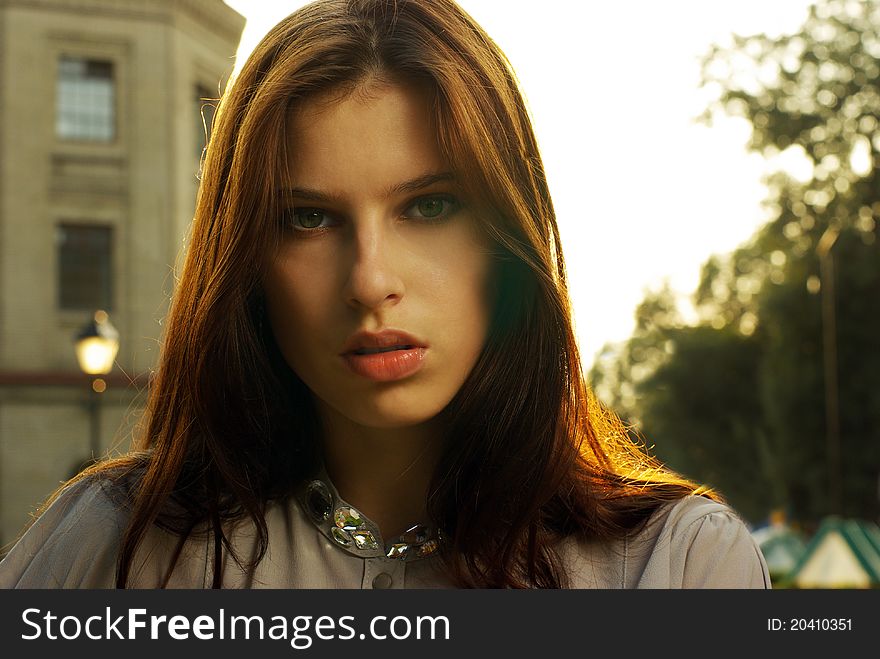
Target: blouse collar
x: 352, y: 531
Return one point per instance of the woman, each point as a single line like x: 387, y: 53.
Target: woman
x: 369, y: 376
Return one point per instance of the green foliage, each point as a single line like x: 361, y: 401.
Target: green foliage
x: 702, y: 424
x: 744, y: 399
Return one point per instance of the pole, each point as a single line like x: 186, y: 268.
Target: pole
x: 94, y: 423
x: 829, y: 351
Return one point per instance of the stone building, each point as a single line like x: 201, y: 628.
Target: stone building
x: 100, y: 139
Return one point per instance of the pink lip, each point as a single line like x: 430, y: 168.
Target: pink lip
x: 404, y: 360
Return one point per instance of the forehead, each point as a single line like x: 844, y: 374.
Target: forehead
x: 375, y: 135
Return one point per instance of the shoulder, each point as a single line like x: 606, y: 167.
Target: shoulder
x: 698, y: 543
x: 73, y: 543
x: 692, y: 542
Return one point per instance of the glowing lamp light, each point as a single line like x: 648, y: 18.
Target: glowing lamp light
x: 96, y: 345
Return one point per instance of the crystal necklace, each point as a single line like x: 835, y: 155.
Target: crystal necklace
x: 350, y: 530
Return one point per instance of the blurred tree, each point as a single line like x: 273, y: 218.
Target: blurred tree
x: 619, y: 369
x: 773, y: 395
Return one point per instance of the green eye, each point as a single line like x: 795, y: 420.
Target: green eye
x: 306, y: 219
x: 436, y: 207
x: 430, y: 207
x: 309, y: 218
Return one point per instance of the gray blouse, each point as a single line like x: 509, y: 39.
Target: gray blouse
x: 322, y: 542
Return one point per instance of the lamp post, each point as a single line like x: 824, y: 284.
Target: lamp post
x: 96, y: 345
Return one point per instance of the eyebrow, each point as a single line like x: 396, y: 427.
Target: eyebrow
x: 412, y: 185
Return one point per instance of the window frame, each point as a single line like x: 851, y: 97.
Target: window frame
x: 79, y: 132
x: 102, y: 47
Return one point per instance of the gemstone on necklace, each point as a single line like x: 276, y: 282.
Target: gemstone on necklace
x: 428, y: 548
x: 398, y: 550
x: 319, y: 501
x: 340, y: 536
x: 348, y: 519
x: 364, y: 540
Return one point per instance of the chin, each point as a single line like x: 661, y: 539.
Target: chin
x: 393, y: 412
x: 392, y: 419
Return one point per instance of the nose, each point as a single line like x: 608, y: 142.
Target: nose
x: 374, y: 280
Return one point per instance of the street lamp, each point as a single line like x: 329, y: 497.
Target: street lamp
x: 96, y: 345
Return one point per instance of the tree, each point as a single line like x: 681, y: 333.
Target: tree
x: 773, y: 395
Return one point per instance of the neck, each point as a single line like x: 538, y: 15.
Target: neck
x: 383, y: 472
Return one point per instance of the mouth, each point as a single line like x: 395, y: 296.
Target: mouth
x: 384, y: 356
x: 387, y: 340
x: 375, y: 351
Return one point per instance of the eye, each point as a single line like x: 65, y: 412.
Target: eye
x: 433, y: 207
x: 307, y: 219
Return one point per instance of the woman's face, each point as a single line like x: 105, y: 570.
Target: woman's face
x: 378, y: 295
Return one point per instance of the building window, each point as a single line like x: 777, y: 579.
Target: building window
x: 206, y: 106
x: 85, y: 267
x: 86, y: 104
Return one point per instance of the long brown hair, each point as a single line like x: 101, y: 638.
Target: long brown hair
x: 531, y: 456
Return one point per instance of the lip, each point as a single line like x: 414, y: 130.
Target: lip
x: 388, y: 365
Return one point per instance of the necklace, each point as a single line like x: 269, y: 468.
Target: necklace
x: 347, y: 528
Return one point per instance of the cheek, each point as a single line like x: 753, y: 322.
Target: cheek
x: 460, y: 285
x: 296, y: 302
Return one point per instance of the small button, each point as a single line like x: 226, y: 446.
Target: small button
x: 382, y: 580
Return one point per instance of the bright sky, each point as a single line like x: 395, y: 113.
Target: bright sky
x: 642, y: 193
